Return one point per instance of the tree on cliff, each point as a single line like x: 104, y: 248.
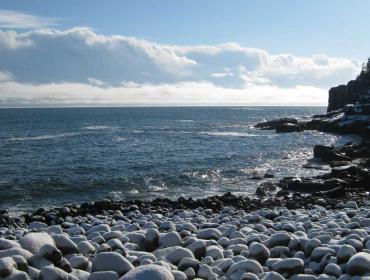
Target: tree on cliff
x: 365, y: 72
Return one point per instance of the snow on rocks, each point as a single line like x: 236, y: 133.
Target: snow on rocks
x: 35, y: 240
x: 313, y: 243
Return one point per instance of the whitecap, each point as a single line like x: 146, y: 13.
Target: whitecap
x: 185, y: 121
x: 229, y: 133
x: 97, y: 127
x: 43, y: 137
x: 247, y: 109
x: 238, y: 126
x: 156, y: 188
x: 119, y: 139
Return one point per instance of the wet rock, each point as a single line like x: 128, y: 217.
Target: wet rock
x: 328, y: 153
x: 275, y: 123
x: 289, y: 127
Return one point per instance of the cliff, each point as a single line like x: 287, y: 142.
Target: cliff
x: 356, y: 91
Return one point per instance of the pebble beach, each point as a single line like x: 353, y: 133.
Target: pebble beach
x: 298, y: 229
x: 310, y: 242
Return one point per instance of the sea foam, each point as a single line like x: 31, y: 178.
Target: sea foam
x: 230, y: 133
x: 97, y: 127
x: 43, y: 137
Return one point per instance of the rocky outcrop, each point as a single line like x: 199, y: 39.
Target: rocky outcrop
x: 273, y: 124
x: 328, y: 154
x: 355, y: 91
x: 348, y: 113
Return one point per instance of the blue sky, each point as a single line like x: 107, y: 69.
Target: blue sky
x: 274, y: 46
x: 333, y: 27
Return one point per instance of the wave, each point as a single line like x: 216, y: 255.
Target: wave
x: 240, y: 126
x: 43, y: 137
x: 97, y: 127
x: 247, y: 109
x: 119, y: 139
x: 229, y: 133
x: 185, y: 121
x: 153, y: 188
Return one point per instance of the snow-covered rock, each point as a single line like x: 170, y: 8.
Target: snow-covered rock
x: 34, y: 241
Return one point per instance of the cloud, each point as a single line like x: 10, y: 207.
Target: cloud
x: 20, y: 20
x: 80, y: 66
x: 74, y: 55
x: 5, y: 76
x: 182, y: 93
x: 224, y: 74
x: 95, y: 82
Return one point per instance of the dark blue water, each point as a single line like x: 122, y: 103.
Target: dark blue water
x: 51, y: 157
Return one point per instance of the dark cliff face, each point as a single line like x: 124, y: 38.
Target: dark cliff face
x: 355, y: 91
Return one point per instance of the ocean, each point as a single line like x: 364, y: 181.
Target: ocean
x: 55, y: 156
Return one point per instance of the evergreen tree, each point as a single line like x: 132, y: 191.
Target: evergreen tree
x: 365, y: 72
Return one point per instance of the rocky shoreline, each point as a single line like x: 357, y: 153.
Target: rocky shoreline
x: 297, y: 228
x: 142, y: 241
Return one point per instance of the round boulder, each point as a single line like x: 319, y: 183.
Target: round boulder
x: 359, y: 264
x: 150, y: 271
x: 34, y: 241
x: 111, y: 261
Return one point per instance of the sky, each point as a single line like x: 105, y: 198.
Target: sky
x: 170, y: 52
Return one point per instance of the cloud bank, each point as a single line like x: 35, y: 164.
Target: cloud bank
x: 19, y: 20
x: 81, y: 67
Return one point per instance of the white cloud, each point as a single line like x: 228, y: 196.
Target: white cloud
x: 80, y: 66
x: 76, y: 54
x: 184, y: 93
x: 12, y: 40
x: 95, y: 82
x: 224, y: 74
x: 20, y: 20
x: 5, y: 76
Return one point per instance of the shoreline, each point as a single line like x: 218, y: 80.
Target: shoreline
x: 298, y: 228
x: 282, y: 198
x: 290, y: 192
x: 280, y: 234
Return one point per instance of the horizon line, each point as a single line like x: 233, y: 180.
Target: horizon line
x: 157, y: 106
